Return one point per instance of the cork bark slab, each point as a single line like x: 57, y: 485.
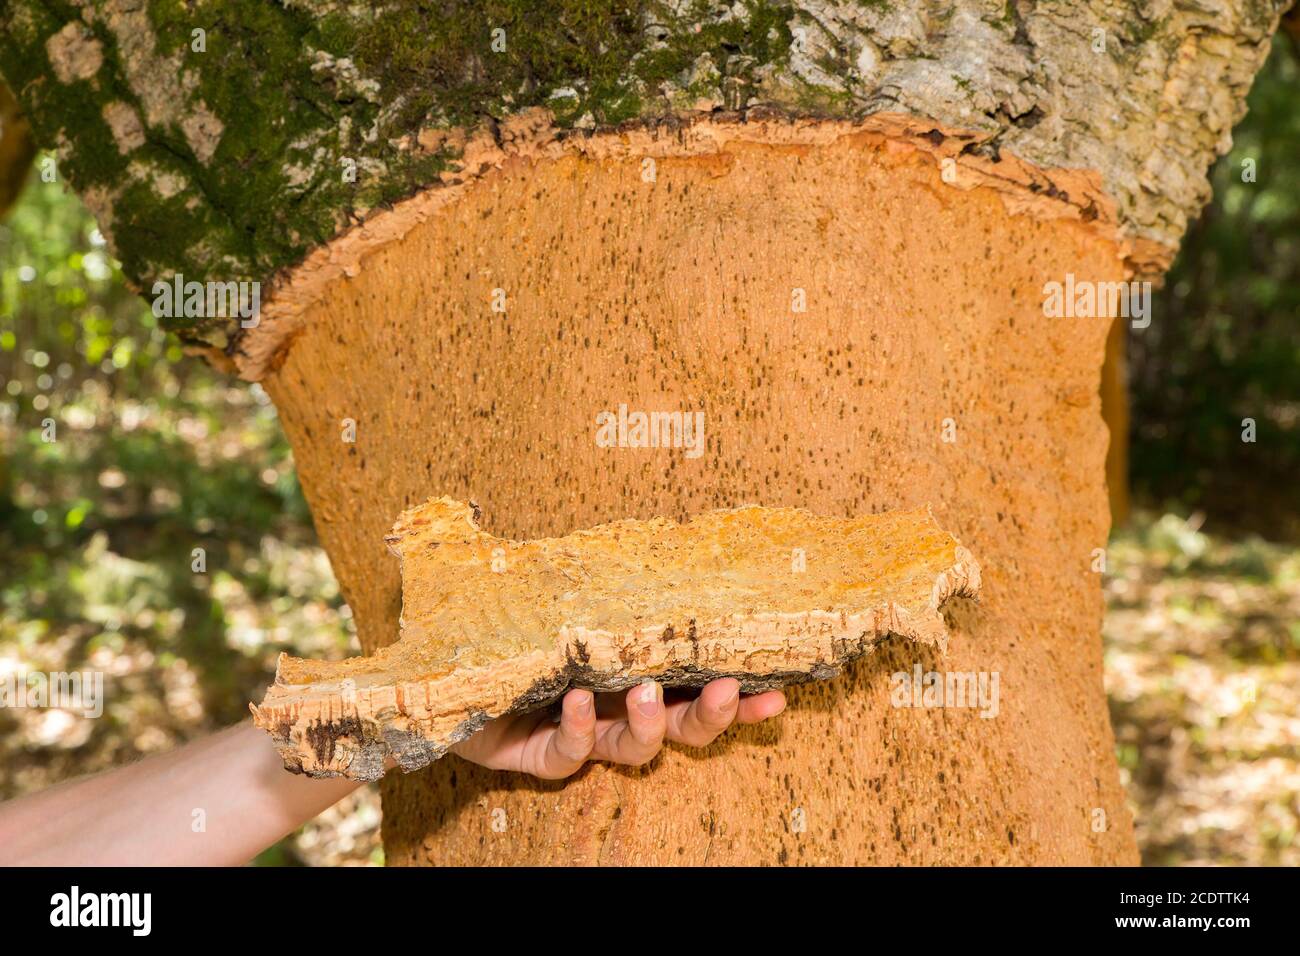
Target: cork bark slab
x: 489, y: 627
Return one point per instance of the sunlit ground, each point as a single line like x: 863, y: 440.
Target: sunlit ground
x: 1203, y: 673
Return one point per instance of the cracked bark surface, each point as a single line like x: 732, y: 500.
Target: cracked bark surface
x: 492, y: 627
x: 227, y: 163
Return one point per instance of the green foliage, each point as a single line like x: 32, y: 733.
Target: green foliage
x: 79, y: 350
x: 153, y: 456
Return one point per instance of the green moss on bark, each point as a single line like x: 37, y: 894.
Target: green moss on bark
x: 232, y: 162
x: 297, y: 95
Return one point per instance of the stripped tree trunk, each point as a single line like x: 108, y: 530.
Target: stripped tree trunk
x: 830, y: 226
x: 1115, y: 412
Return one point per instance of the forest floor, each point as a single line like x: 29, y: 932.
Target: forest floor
x: 1202, y: 654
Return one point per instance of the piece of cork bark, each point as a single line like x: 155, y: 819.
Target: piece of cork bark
x: 489, y: 627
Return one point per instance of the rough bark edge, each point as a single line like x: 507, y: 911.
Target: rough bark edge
x: 532, y: 137
x: 320, y: 730
x: 157, y: 137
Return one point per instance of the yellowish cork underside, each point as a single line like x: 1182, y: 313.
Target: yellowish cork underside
x: 770, y: 596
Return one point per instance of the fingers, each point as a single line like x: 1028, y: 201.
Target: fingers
x: 761, y: 707
x: 630, y: 730
x: 567, y: 746
x: 637, y: 739
x: 698, y: 723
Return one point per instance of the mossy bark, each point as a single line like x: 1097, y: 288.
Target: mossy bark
x: 226, y: 140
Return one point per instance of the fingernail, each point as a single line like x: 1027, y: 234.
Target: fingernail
x: 583, y: 706
x: 730, y: 698
x: 648, y: 698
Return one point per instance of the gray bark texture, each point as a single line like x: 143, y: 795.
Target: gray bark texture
x: 226, y: 140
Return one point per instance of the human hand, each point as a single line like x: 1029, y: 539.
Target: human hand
x: 619, y: 728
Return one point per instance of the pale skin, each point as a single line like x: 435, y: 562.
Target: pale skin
x: 221, y: 800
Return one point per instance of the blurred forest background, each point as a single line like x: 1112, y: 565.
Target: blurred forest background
x: 158, y: 455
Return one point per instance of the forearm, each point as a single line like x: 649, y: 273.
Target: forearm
x: 216, y: 802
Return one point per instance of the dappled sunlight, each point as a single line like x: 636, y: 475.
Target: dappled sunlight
x: 1202, y: 639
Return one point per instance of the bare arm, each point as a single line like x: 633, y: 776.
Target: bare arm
x: 222, y: 800
x: 218, y: 801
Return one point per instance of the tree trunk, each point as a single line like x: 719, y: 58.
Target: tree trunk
x: 16, y: 152
x: 831, y: 227
x: 1115, y: 412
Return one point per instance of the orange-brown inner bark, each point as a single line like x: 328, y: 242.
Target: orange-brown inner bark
x: 923, y: 323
